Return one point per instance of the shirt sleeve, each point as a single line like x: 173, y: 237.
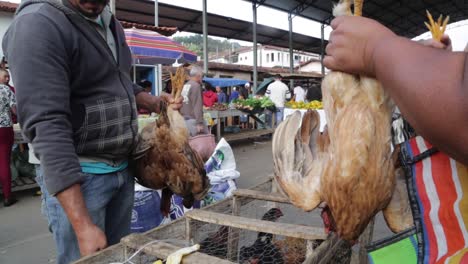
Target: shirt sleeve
x: 11, y: 98
x: 34, y: 42
x: 197, y: 102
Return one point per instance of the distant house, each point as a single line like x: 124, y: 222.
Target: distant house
x: 312, y: 65
x: 7, y: 11
x: 267, y: 56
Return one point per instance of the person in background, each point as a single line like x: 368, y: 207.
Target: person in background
x: 244, y: 92
x: 5, y: 79
x: 299, y: 94
x: 192, y: 107
x: 147, y: 87
x: 222, y: 97
x: 77, y: 106
x: 7, y: 107
x: 209, y: 96
x: 278, y: 92
x: 234, y: 95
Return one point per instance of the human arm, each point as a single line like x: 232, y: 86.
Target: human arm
x: 153, y: 103
x: 39, y: 65
x: 430, y: 86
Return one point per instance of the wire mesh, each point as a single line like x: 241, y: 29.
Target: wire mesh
x: 245, y: 246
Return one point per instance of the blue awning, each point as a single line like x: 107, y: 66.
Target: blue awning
x: 224, y: 82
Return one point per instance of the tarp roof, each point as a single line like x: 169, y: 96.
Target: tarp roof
x: 404, y: 17
x: 142, y: 11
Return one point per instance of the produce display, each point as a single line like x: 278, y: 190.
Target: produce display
x: 219, y: 107
x: 315, y: 104
x: 254, y: 104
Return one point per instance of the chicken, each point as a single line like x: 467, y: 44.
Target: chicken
x: 263, y: 250
x: 216, y: 243
x: 168, y: 162
x: 351, y: 168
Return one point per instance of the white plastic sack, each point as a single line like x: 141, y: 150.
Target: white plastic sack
x: 221, y: 166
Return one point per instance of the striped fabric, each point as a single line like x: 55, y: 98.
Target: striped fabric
x: 441, y: 190
x: 151, y: 47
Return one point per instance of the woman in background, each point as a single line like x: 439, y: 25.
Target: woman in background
x: 7, y: 108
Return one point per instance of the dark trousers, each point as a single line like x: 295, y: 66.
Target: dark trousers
x: 6, y: 142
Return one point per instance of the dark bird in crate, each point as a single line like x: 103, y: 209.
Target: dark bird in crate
x: 263, y: 249
x: 216, y: 243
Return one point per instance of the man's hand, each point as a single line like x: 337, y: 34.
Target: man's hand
x: 200, y: 128
x: 352, y: 44
x: 175, y: 104
x: 90, y: 239
x: 445, y: 43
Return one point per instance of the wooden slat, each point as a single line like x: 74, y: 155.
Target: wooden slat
x: 282, y: 229
x: 248, y: 134
x: 264, y: 196
x: 162, y: 250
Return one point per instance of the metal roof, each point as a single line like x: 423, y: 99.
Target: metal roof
x: 404, y: 17
x: 142, y: 11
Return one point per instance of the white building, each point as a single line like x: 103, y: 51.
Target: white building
x: 7, y: 11
x: 270, y: 56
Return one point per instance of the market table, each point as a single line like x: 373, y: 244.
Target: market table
x: 231, y: 113
x: 323, y: 118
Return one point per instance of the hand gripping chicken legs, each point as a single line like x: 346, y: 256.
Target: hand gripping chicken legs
x: 350, y: 166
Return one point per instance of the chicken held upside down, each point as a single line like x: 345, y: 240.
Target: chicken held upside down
x: 170, y: 163
x: 349, y: 167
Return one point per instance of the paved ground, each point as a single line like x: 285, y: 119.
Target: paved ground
x: 24, y: 237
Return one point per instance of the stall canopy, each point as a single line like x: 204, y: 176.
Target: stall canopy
x: 151, y: 48
x: 224, y: 82
x: 406, y: 18
x: 190, y: 20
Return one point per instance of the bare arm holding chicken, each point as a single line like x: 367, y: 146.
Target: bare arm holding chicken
x: 429, y: 85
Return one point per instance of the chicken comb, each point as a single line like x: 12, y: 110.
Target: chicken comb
x: 437, y: 29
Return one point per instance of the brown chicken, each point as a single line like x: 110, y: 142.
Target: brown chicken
x: 169, y: 163
x: 353, y: 172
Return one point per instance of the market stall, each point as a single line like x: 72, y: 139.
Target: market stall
x: 292, y: 107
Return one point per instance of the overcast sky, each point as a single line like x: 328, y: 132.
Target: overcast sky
x: 243, y: 10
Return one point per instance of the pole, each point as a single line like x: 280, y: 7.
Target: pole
x: 322, y: 48
x: 254, y: 31
x: 205, y: 38
x: 156, y: 13
x: 291, y: 54
x: 157, y: 68
x: 112, y: 6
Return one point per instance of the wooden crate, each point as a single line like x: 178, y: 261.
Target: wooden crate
x: 232, y: 214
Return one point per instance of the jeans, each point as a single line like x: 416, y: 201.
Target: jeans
x: 109, y: 200
x: 279, y: 115
x: 6, y: 141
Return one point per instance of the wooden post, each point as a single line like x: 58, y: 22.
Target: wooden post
x: 364, y: 240
x: 188, y: 230
x: 233, y: 234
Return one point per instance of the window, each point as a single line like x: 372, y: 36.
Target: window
x: 272, y: 57
x: 240, y: 59
x: 268, y: 57
x: 245, y: 58
x: 279, y: 57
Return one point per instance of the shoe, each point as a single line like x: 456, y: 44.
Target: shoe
x: 9, y: 202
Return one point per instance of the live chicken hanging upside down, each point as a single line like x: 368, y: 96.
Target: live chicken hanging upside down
x: 349, y: 167
x: 168, y: 162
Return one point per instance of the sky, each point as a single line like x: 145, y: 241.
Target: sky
x: 240, y: 9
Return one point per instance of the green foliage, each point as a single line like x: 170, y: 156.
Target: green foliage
x: 195, y: 44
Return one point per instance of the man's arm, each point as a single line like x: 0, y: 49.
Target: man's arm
x: 429, y: 85
x: 36, y: 52
x: 153, y: 103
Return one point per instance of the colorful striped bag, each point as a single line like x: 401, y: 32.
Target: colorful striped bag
x: 438, y: 191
